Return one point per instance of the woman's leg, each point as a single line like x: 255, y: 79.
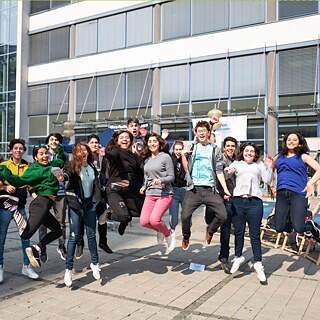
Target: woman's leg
x: 147, y: 208
x: 161, y: 206
x: 298, y: 211
x: 282, y: 210
x: 90, y: 222
x: 74, y: 225
x: 239, y: 223
x: 38, y: 210
x: 174, y: 208
x: 24, y: 243
x: 254, y: 217
x: 55, y: 229
x: 5, y: 218
x: 119, y: 208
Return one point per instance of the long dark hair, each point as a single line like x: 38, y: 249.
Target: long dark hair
x: 248, y: 144
x: 302, y: 148
x: 163, y: 145
x: 113, y: 142
x: 76, y: 162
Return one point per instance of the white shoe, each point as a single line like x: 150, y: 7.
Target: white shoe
x: 237, y: 262
x: 260, y: 271
x: 1, y: 273
x: 160, y: 237
x: 95, y: 270
x: 29, y: 272
x: 171, y: 241
x: 68, y: 278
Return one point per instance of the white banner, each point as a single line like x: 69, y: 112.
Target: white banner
x: 233, y: 126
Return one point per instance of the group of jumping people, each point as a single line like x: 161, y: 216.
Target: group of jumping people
x: 136, y: 176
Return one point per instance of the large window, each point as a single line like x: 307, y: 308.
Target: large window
x: 290, y: 9
x: 175, y: 84
x: 246, y: 12
x: 209, y: 80
x: 59, y: 97
x: 247, y: 76
x: 138, y: 88
x: 139, y: 26
x: 111, y: 92
x: 49, y: 46
x: 209, y: 16
x: 176, y: 19
x: 38, y: 100
x: 112, y: 32
x: 297, y: 69
x: 86, y: 95
x: 39, y: 5
x: 86, y: 38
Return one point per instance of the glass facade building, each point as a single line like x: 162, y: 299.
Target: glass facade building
x: 8, y: 50
x: 260, y: 80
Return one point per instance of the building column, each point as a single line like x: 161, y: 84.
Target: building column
x: 21, y: 108
x: 156, y: 98
x: 272, y: 121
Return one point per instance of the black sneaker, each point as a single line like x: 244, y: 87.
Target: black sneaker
x: 105, y: 248
x: 34, y: 256
x: 9, y: 202
x: 293, y: 241
x: 225, y: 265
x: 43, y: 255
x: 314, y: 229
x: 62, y: 251
x: 122, y: 228
x: 79, y: 250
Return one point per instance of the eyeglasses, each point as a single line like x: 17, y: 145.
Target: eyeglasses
x: 202, y: 130
x: 41, y: 145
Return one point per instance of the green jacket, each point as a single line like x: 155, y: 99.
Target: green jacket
x: 38, y: 176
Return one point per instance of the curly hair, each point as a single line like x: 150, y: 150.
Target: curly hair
x: 163, y: 145
x: 113, y: 142
x: 76, y: 162
x: 302, y: 148
x: 248, y: 144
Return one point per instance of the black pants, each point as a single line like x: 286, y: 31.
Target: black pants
x: 196, y: 197
x: 125, y: 204
x: 60, y: 212
x: 39, y: 213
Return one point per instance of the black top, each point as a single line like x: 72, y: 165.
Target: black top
x: 124, y: 165
x: 179, y: 172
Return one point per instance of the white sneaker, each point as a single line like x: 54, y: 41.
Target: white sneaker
x: 29, y: 272
x: 260, y: 271
x: 171, y: 241
x: 160, y: 237
x: 68, y: 278
x: 1, y: 273
x: 237, y: 262
x: 95, y: 270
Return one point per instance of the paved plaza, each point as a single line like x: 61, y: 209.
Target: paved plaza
x: 138, y: 281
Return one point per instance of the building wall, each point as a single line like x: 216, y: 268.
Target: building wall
x: 170, y: 61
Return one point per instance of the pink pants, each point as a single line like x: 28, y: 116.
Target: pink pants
x: 152, y: 211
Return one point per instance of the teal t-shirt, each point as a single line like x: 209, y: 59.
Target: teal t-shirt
x: 202, y: 166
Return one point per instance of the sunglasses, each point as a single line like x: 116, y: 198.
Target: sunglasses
x: 41, y: 145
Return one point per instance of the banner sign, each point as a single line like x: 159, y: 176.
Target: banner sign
x: 233, y: 126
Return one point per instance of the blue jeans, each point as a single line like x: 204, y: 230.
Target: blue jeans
x: 90, y: 219
x: 5, y: 218
x: 248, y: 210
x: 178, y: 196
x: 293, y: 203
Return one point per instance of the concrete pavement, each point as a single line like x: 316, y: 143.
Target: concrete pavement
x: 140, y: 282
